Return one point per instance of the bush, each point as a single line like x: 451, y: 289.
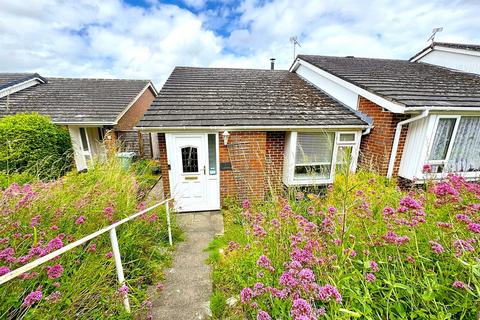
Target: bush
x: 364, y: 250
x: 32, y: 143
x: 38, y: 218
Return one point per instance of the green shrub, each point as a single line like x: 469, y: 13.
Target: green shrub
x: 21, y: 178
x: 32, y: 143
x: 217, y: 305
x: 68, y: 209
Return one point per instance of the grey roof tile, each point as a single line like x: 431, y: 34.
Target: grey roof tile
x: 413, y: 84
x: 204, y: 97
x: 75, y: 99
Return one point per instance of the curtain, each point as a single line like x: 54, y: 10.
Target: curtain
x: 314, y: 147
x: 465, y: 155
x: 442, y: 138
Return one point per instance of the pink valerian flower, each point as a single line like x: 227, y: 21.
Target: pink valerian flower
x: 246, y: 204
x: 311, y: 210
x: 259, y: 289
x: 159, y: 287
x: 254, y: 305
x: 4, y: 270
x: 92, y: 247
x: 444, y: 189
x: 108, y: 211
x: 80, y: 220
x: 427, y: 168
x: 374, y: 266
x: 370, y: 277
x: 444, y: 225
x: 264, y: 262
x: 4, y: 240
x: 410, y: 259
x: 393, y: 238
x: 35, y: 221
x: 275, y: 223
x: 349, y: 251
x: 328, y: 292
x: 54, y: 271
x: 359, y: 193
x: 123, y: 290
x: 410, y: 203
x: 246, y: 295
x: 153, y: 217
x: 263, y: 315
x: 474, y: 227
x: 28, y: 275
x: 147, y: 304
x: 302, y: 255
x: 436, y: 247
x: 306, y: 277
x: 463, y: 217
x: 281, y: 294
x: 141, y: 206
x: 54, y: 297
x: 7, y: 253
x: 258, y: 231
x: 301, y: 309
x: 288, y: 280
x: 56, y: 284
x: 31, y: 298
x: 460, y: 285
x: 108, y: 255
x: 331, y: 210
x: 54, y: 227
x: 462, y: 246
x: 54, y: 244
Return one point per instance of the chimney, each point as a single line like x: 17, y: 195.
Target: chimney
x: 272, y: 64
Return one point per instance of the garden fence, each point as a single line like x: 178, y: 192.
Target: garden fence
x: 115, y: 249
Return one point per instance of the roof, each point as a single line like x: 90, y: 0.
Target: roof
x: 412, y: 84
x: 460, y: 46
x: 227, y: 97
x: 75, y: 100
x: 10, y: 79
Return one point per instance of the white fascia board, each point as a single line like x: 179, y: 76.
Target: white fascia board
x: 387, y: 104
x: 90, y: 124
x: 149, y: 85
x: 436, y: 108
x: 420, y: 56
x: 457, y: 50
x: 253, y: 128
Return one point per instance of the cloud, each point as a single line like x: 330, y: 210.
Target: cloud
x: 110, y: 38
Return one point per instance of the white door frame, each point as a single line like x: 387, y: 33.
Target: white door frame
x: 211, y: 182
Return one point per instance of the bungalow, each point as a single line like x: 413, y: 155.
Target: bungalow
x: 242, y: 132
x: 91, y: 109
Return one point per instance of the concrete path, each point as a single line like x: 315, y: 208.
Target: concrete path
x: 188, y: 286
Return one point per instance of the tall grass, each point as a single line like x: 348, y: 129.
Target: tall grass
x: 64, y: 211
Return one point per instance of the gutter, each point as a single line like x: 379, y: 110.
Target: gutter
x: 251, y: 128
x: 396, y: 140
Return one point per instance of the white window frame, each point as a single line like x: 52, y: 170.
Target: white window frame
x: 440, y: 175
x: 290, y: 154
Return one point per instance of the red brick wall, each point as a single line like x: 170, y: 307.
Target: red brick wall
x: 162, y: 145
x: 275, y: 148
x: 376, y: 147
x: 136, y: 111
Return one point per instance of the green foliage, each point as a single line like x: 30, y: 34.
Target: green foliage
x: 362, y: 218
x: 68, y: 209
x: 32, y: 143
x: 217, y: 305
x: 147, y: 173
x: 22, y: 178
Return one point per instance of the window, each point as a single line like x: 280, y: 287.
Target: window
x: 83, y: 136
x: 189, y: 159
x: 101, y: 134
x: 456, y: 145
x: 313, y: 157
x: 212, y: 154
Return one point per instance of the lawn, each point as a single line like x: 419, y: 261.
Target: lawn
x: 362, y: 249
x: 41, y: 217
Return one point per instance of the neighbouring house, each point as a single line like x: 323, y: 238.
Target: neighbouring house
x: 91, y: 109
x: 464, y: 57
x: 422, y: 114
x: 240, y: 133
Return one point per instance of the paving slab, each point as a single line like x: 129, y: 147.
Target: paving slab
x: 188, y: 285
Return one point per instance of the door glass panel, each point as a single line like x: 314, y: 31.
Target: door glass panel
x: 441, y: 142
x: 212, y: 155
x: 83, y: 136
x: 189, y: 159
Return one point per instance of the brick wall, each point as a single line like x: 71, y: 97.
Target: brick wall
x: 275, y: 148
x: 136, y: 111
x: 375, y: 147
x: 135, y: 141
x: 162, y: 145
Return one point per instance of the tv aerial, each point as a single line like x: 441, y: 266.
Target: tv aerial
x: 434, y: 33
x: 294, y: 40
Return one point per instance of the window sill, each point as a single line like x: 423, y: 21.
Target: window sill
x: 309, y: 182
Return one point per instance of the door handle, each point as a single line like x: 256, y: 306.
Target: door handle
x: 204, y: 171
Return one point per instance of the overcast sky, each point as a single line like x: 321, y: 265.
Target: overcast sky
x: 146, y: 39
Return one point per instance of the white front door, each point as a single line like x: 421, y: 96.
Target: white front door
x: 194, y: 176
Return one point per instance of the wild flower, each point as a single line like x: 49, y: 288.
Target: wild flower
x: 264, y: 262
x: 123, y: 290
x: 4, y: 270
x: 31, y: 298
x: 436, y: 247
x: 301, y: 308
x: 460, y: 285
x: 108, y: 211
x: 306, y: 276
x: 54, y: 271
x: 474, y: 227
x: 35, y: 221
x: 259, y: 231
x: 410, y: 203
x: 288, y: 280
x: 109, y: 254
x: 444, y: 225
x: 92, y: 247
x: 259, y: 289
x: 159, y: 287
x: 7, y: 253
x: 263, y: 315
x: 54, y: 297
x: 427, y: 168
x: 442, y: 189
x: 299, y: 196
x: 4, y: 240
x: 463, y: 217
x: 374, y: 266
x: 147, y: 304
x: 54, y: 227
x: 328, y: 292
x: 246, y: 295
x: 80, y: 220
x: 331, y: 210
x: 54, y: 244
x: 246, y: 204
x: 370, y: 277
x: 460, y: 246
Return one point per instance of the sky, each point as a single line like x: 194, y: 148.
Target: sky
x: 146, y: 39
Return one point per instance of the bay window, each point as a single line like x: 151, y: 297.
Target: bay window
x: 456, y: 145
x: 313, y: 157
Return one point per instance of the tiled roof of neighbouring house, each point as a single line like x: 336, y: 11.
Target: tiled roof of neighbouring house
x: 74, y: 100
x: 413, y: 84
x: 10, y: 79
x: 210, y: 97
